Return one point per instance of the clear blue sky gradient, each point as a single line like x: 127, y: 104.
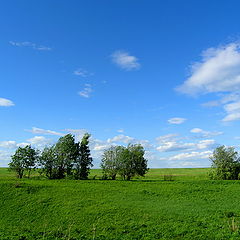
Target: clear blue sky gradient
x: 165, y: 36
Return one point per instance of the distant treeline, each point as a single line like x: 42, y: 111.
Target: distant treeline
x: 68, y: 158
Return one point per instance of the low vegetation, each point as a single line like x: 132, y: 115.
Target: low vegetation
x: 188, y: 207
x: 155, y: 204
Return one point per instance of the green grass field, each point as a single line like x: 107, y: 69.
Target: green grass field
x: 188, y: 207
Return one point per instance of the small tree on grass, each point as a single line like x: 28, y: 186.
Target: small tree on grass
x: 66, y: 153
x: 48, y: 162
x: 132, y: 162
x: 24, y: 160
x: 83, y: 162
x: 225, y: 164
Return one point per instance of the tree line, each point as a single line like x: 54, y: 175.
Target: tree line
x: 68, y: 158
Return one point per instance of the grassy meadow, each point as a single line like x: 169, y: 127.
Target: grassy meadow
x: 166, y: 204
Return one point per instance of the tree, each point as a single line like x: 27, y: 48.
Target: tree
x: 66, y: 151
x: 125, y: 161
x: 225, y: 163
x: 111, y: 161
x: 132, y: 162
x: 24, y: 159
x: 48, y: 162
x: 83, y: 162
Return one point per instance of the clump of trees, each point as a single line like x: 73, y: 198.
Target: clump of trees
x: 225, y: 164
x: 126, y: 161
x: 65, y: 158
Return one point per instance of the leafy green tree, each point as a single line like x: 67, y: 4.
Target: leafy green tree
x: 125, y: 161
x: 83, y: 162
x: 225, y: 164
x: 66, y: 151
x: 111, y: 161
x: 24, y: 160
x: 132, y: 162
x: 48, y: 162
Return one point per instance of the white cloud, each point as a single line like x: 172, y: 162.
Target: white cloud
x: 233, y: 111
x: 176, y: 120
x: 218, y: 72
x: 100, y: 147
x: 211, y: 104
x: 22, y: 144
x: 12, y: 144
x: 86, y: 91
x: 6, y: 102
x: 120, y: 130
x: 5, y: 158
x: 204, y: 134
x: 120, y: 138
x: 173, y: 146
x: 8, y: 144
x: 30, y: 45
x: 39, y: 141
x: 77, y: 132
x: 125, y: 61
x: 167, y: 138
x: 82, y: 72
x: 36, y: 130
x: 191, y: 155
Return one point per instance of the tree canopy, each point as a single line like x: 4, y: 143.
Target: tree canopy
x: 125, y: 161
x: 225, y: 163
x: 24, y: 160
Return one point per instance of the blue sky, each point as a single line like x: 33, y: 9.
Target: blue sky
x: 165, y: 74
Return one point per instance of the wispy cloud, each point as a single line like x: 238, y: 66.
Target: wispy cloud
x: 120, y: 138
x: 120, y: 130
x: 200, y: 133
x: 170, y: 143
x: 233, y: 111
x: 30, y: 45
x: 86, y: 92
x: 36, y: 130
x: 6, y: 102
x: 82, y: 72
x: 125, y: 61
x: 176, y: 120
x: 191, y: 155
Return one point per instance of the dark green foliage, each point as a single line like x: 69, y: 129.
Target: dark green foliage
x: 125, y: 161
x: 83, y: 161
x: 225, y: 164
x: 23, y: 160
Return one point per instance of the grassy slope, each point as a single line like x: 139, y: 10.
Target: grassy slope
x: 190, y: 207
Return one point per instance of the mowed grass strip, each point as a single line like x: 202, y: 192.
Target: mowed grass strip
x: 187, y: 207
